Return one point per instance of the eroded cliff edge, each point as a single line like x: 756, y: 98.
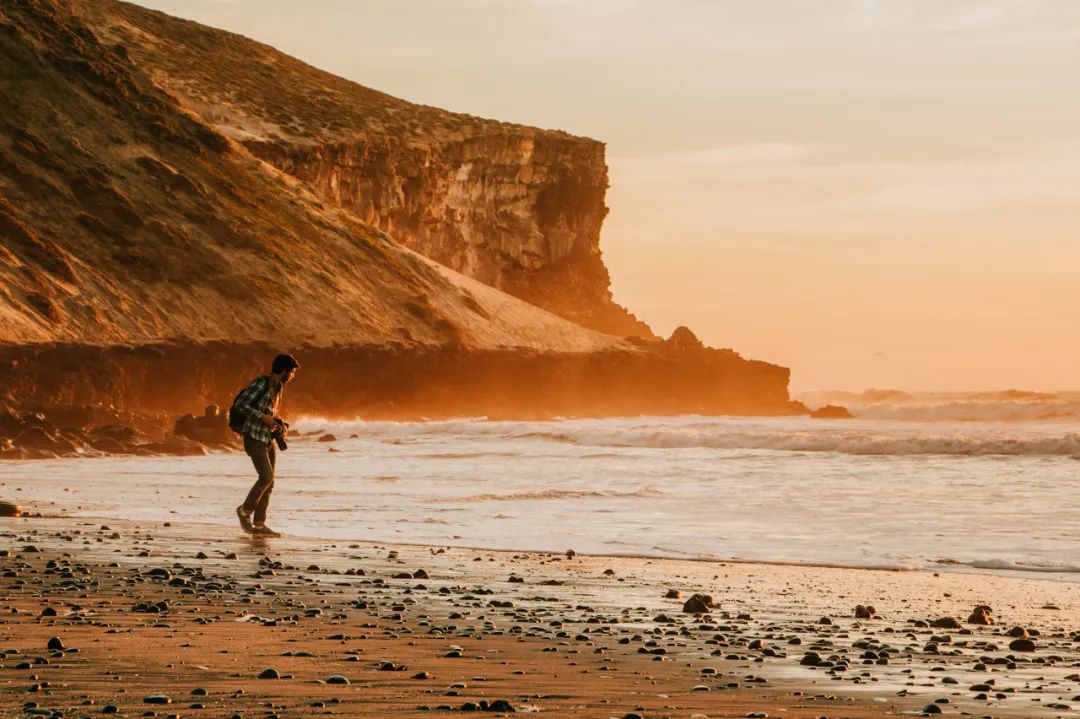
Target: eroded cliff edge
x: 515, y: 207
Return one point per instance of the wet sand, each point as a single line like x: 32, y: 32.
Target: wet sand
x: 191, y: 616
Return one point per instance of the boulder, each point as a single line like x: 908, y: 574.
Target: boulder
x: 179, y: 446
x: 698, y: 604
x: 1022, y: 645
x: 211, y: 428
x: 38, y: 438
x: 981, y: 615
x: 119, y: 432
x: 9, y: 509
x: 945, y: 623
x: 108, y: 445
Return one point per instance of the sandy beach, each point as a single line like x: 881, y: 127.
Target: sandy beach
x: 159, y: 619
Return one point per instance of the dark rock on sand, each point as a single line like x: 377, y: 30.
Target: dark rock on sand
x: 865, y: 612
x: 981, y: 616
x: 1022, y: 645
x: 9, y: 509
x: 211, y: 428
x: 945, y: 623
x: 698, y: 604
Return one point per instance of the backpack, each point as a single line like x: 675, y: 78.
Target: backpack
x: 236, y: 417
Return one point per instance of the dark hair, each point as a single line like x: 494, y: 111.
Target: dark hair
x: 283, y: 363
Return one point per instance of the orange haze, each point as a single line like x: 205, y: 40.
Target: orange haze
x: 873, y: 193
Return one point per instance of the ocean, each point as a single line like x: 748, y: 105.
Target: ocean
x: 887, y: 492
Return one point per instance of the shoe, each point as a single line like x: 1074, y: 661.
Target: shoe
x: 245, y: 519
x: 263, y: 531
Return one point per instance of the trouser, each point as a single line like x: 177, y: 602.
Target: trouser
x: 263, y: 456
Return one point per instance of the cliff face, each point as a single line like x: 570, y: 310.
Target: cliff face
x: 515, y: 207
x: 124, y: 218
x: 380, y: 382
x: 149, y: 262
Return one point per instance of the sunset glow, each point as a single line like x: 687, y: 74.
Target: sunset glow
x: 871, y: 193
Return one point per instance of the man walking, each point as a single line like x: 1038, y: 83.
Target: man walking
x: 258, y: 404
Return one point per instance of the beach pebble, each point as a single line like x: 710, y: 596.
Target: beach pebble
x: 337, y: 679
x: 981, y: 616
x: 1022, y: 645
x: 157, y: 699
x: 698, y: 604
x: 55, y: 644
x: 865, y: 612
x: 946, y: 623
x: 269, y: 673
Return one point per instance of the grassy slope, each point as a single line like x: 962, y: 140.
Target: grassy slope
x: 125, y: 218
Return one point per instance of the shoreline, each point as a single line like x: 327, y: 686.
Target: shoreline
x: 945, y: 567
x: 583, y: 628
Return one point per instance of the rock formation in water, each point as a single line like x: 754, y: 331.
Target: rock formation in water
x: 515, y: 207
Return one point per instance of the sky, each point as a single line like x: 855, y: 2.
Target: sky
x: 875, y: 193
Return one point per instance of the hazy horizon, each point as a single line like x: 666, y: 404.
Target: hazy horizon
x: 873, y: 193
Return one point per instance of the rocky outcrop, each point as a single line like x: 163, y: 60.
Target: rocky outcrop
x: 514, y: 207
x: 831, y: 411
x: 150, y: 265
x: 399, y: 383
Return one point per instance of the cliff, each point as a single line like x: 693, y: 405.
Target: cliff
x: 150, y: 263
x: 514, y: 207
x: 125, y: 219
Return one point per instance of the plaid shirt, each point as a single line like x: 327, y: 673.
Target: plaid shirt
x: 261, y: 397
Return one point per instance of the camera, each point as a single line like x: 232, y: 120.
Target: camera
x: 278, y: 434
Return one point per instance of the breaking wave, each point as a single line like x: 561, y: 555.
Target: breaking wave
x: 1003, y: 406
x: 855, y: 443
